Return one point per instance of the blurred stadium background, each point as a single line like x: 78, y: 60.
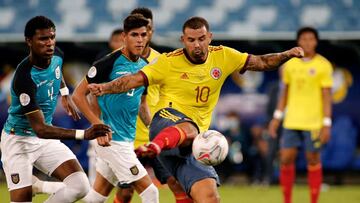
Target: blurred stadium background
x: 254, y: 26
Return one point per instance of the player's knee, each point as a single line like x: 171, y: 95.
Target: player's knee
x: 150, y: 194
x: 189, y: 129
x: 125, y: 194
x: 77, y: 184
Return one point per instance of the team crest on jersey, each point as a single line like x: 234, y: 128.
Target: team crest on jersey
x: 92, y: 72
x: 24, y: 99
x: 15, y: 178
x: 57, y: 72
x: 215, y: 73
x: 312, y: 71
x: 134, y: 170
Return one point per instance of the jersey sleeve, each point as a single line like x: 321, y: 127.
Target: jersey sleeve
x: 326, y: 79
x: 235, y: 60
x: 101, y: 69
x: 25, y: 90
x: 156, y: 71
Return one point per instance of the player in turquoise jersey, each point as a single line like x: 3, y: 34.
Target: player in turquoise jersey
x: 117, y: 163
x: 35, y: 87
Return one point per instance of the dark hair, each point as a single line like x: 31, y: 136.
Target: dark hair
x: 117, y: 32
x: 143, y: 11
x: 307, y: 29
x: 134, y: 21
x: 37, y: 22
x: 196, y: 23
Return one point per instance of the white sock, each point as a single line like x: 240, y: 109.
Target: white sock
x: 150, y: 194
x: 76, y: 187
x: 94, y: 197
x: 47, y: 187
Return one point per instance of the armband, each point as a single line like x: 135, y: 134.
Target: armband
x: 64, y: 91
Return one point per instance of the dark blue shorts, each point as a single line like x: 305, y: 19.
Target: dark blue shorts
x: 178, y: 161
x: 295, y: 138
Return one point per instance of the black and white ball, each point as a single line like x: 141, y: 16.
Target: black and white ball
x: 210, y: 147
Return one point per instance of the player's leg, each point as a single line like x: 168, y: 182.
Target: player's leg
x: 124, y: 194
x: 290, y: 140
x: 314, y: 167
x: 205, y: 191
x: 58, y: 161
x: 165, y: 177
x: 18, y: 165
x: 47, y: 187
x: 198, y: 180
x: 100, y: 190
x: 146, y: 190
x: 105, y: 180
x: 169, y: 129
x: 121, y: 158
x: 178, y: 191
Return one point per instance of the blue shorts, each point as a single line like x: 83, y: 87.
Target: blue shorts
x: 178, y: 161
x: 295, y: 138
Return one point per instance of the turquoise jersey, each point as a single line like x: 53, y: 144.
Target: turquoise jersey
x: 119, y: 111
x: 33, y: 89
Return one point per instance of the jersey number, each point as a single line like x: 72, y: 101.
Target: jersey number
x: 51, y: 93
x: 131, y: 92
x: 202, y: 94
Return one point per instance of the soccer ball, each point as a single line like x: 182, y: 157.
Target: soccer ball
x: 210, y: 147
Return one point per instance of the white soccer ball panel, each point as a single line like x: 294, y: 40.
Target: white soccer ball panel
x: 210, y: 147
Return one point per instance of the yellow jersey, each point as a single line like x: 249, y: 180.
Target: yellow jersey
x: 152, y: 98
x: 305, y: 80
x: 193, y: 89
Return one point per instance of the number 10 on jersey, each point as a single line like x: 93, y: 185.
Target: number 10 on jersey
x: 202, y: 94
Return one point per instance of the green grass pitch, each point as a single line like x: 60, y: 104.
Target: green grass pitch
x: 248, y: 194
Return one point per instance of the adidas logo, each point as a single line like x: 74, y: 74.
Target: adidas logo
x: 184, y: 76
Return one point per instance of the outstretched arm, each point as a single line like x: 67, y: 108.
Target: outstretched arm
x: 119, y: 85
x: 42, y: 130
x: 272, y: 61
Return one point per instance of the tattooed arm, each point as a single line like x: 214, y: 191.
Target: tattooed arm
x: 119, y: 85
x: 272, y: 61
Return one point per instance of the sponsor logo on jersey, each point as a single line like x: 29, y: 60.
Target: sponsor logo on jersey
x: 41, y: 83
x: 123, y: 73
x: 184, y: 76
x: 24, y: 99
x: 15, y: 178
x: 92, y: 72
x: 57, y: 72
x: 134, y: 170
x: 215, y: 73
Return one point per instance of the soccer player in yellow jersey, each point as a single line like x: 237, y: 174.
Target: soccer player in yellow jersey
x: 307, y: 98
x: 125, y: 192
x: 190, y: 80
